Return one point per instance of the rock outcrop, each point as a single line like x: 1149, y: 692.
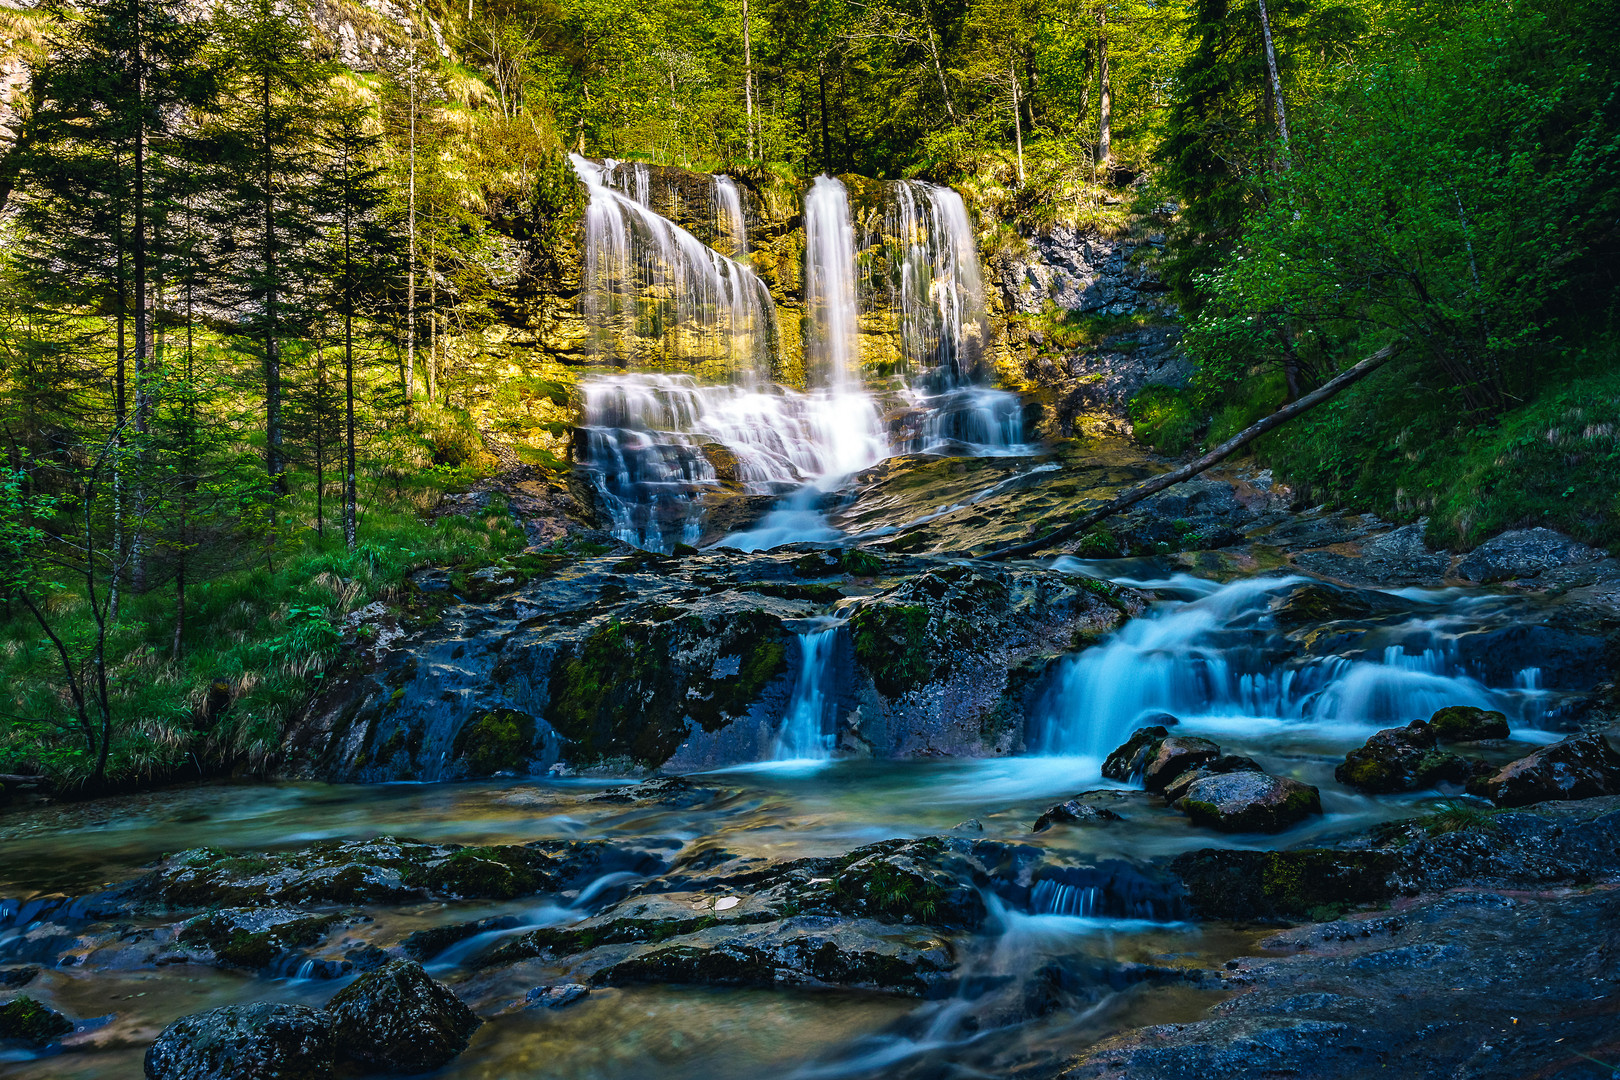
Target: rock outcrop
x: 1402, y: 759
x: 1582, y: 766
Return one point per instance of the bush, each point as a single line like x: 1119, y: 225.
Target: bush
x: 1164, y: 418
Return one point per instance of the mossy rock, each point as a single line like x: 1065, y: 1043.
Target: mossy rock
x: 836, y: 561
x: 26, y: 1020
x: 1468, y: 723
x: 1267, y: 886
x: 500, y: 740
x: 484, y: 873
x: 248, y: 940
x: 621, y: 693
x: 891, y: 643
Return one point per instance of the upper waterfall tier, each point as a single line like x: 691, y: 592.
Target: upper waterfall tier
x: 654, y: 292
x: 935, y: 286
x: 831, y: 341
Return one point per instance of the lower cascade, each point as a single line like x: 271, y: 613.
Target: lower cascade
x: 1217, y: 656
x: 806, y: 732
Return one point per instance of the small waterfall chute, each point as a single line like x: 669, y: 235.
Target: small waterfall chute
x: 730, y: 224
x: 806, y: 733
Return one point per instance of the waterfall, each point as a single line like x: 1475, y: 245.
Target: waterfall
x: 654, y: 444
x: 804, y: 736
x: 729, y: 222
x: 1218, y: 659
x: 832, y: 345
x: 653, y: 291
x: 634, y: 178
x: 935, y: 287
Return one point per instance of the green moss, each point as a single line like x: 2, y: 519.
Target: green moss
x: 891, y: 644
x: 621, y: 694
x: 1164, y: 418
x: 1098, y: 544
x: 1465, y: 723
x: 237, y: 946
x: 27, y: 1020
x: 495, y: 741
x: 483, y: 873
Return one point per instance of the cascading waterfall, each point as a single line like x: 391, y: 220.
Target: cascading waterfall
x: 1216, y: 660
x: 937, y: 295
x: 634, y: 178
x: 652, y: 443
x: 804, y: 735
x: 729, y: 222
x: 832, y: 344
x: 652, y: 290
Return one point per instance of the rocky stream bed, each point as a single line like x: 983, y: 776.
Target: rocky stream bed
x: 1232, y: 789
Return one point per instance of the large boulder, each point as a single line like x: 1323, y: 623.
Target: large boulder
x: 1249, y: 802
x: 1522, y: 553
x: 1401, y: 759
x: 1579, y: 767
x: 396, y: 1019
x: 1129, y: 757
x: 1174, y: 756
x: 1468, y: 723
x: 1226, y: 763
x: 262, y: 1041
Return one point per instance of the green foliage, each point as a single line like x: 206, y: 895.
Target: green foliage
x: 891, y: 643
x: 1165, y: 418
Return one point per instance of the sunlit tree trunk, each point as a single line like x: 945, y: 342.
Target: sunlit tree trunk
x: 1105, y: 94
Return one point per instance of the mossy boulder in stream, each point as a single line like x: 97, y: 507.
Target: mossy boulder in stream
x: 499, y: 740
x: 1402, y: 759
x: 265, y: 1040
x: 398, y: 1020
x: 620, y: 695
x: 27, y: 1021
x: 953, y: 657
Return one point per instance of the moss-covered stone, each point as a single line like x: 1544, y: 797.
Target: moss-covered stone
x: 1468, y: 723
x: 1270, y: 885
x: 891, y: 644
x: 499, y: 740
x: 26, y: 1020
x: 254, y: 938
x: 484, y: 873
x: 623, y: 692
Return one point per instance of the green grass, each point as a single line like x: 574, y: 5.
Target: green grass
x: 1165, y: 418
x: 1402, y: 452
x: 265, y: 634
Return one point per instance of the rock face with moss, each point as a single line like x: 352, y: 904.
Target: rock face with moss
x: 950, y: 659
x: 639, y: 661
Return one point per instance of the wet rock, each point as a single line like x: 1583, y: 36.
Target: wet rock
x: 1522, y: 553
x: 555, y: 997
x: 941, y: 657
x: 1319, y: 602
x: 396, y: 1019
x: 254, y: 938
x: 1173, y: 756
x: 1397, y: 557
x: 1580, y: 767
x: 1402, y: 759
x: 1249, y: 802
x: 1459, y: 986
x: 808, y: 951
x: 1268, y: 885
x: 1220, y: 766
x: 1468, y: 723
x: 13, y: 977
x: 1074, y: 812
x: 381, y: 871
x: 1128, y: 759
x: 672, y: 791
x: 27, y: 1021
x: 265, y: 1041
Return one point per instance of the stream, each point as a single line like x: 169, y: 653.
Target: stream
x: 1203, y: 651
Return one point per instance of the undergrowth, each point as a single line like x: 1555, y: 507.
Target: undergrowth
x: 257, y: 639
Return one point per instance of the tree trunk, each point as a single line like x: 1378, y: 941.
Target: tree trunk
x: 350, y: 495
x: 410, y: 278
x: 1275, y: 83
x: 1214, y: 457
x: 826, y: 139
x: 1018, y: 123
x: 142, y: 316
x: 274, y: 461
x: 1105, y: 94
x: 748, y: 77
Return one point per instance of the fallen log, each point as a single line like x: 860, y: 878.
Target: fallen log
x: 1243, y: 438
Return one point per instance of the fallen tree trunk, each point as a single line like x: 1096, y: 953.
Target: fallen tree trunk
x: 1187, y: 472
